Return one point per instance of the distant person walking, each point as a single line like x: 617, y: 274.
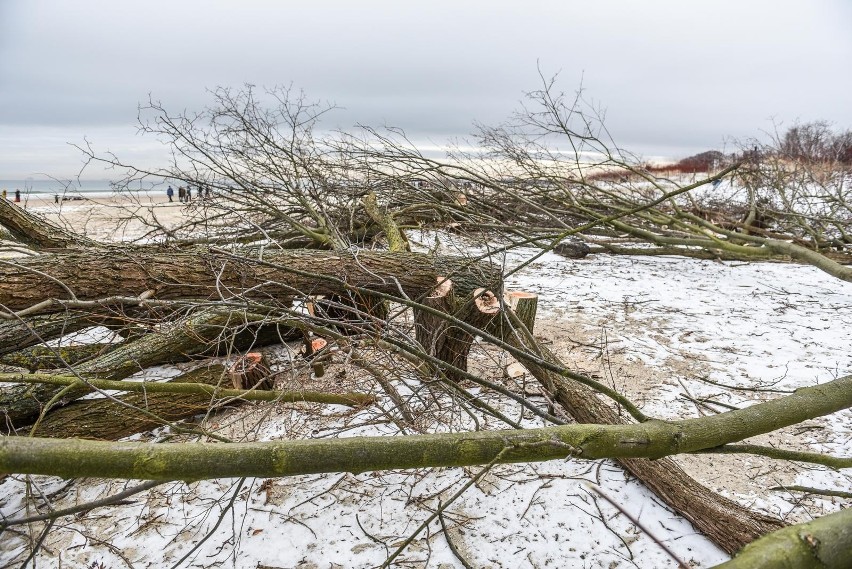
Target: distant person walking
x: 188, y: 193
x: 206, y: 191
x: 18, y: 196
x: 170, y: 192
x: 181, y: 194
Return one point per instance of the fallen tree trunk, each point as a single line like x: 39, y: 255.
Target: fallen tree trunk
x: 105, y: 419
x: 201, y: 333
x: 726, y: 523
x: 36, y: 231
x: 824, y: 543
x: 77, y: 276
x: 206, y: 383
x: 18, y: 334
x: 195, y: 461
x: 183, y: 397
x: 818, y: 260
x: 44, y: 357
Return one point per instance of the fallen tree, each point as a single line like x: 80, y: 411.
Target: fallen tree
x: 824, y: 543
x: 649, y: 440
x: 20, y: 333
x: 727, y: 523
x: 198, y: 334
x: 54, y: 281
x: 149, y: 405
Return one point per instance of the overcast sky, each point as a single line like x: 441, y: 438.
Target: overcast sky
x: 674, y: 77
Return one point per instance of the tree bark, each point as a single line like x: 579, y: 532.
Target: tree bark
x: 443, y: 339
x: 196, y: 461
x: 209, y: 388
x: 351, y: 314
x: 728, y: 524
x: 36, y: 231
x: 396, y: 238
x: 199, y: 334
x: 20, y: 334
x: 208, y: 274
x: 818, y: 260
x: 824, y: 543
x: 43, y: 357
x: 104, y: 419
x: 183, y: 397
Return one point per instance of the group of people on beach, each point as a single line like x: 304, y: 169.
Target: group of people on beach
x: 185, y: 193
x: 17, y: 195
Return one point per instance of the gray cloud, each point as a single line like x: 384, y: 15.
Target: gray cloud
x: 672, y: 75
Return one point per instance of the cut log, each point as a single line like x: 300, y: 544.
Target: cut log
x: 249, y: 372
x: 211, y: 274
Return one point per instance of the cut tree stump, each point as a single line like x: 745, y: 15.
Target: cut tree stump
x: 250, y: 372
x: 444, y: 340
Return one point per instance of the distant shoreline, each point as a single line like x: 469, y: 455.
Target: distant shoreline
x: 47, y: 203
x: 103, y: 188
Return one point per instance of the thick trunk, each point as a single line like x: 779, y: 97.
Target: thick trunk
x: 824, y: 543
x: 43, y: 357
x: 443, y: 339
x: 195, y: 461
x: 104, y: 419
x: 728, y: 524
x: 200, y: 334
x: 20, y: 334
x: 818, y: 260
x: 36, y: 231
x: 206, y: 274
x: 351, y: 314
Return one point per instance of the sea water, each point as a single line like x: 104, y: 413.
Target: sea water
x: 86, y: 188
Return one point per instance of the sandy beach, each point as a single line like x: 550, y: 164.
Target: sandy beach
x: 120, y: 217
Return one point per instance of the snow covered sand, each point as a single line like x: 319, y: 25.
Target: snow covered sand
x: 657, y: 328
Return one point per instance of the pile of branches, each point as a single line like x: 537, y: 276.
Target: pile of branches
x: 304, y: 241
